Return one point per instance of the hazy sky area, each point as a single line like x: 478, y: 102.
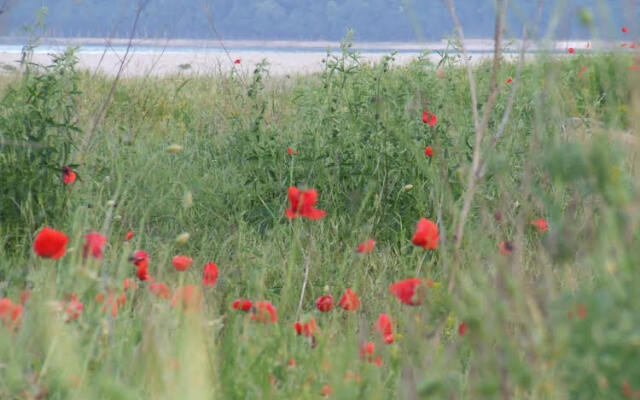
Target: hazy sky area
x: 372, y: 20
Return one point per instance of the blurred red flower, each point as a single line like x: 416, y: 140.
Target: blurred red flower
x: 506, y: 248
x: 349, y: 300
x: 159, y: 289
x: 410, y: 291
x: 540, y: 224
x: 624, y: 29
x: 428, y: 151
x: 264, y: 312
x: 509, y: 80
x: 181, y: 263
x: 385, y: 327
x: 242, y: 304
x: 462, y: 329
x: 429, y: 118
x: 209, y: 274
x: 426, y: 235
x: 327, y: 391
x: 68, y: 176
x: 302, y: 204
x: 325, y: 303
x: 237, y: 61
x: 74, y: 308
x: 94, y: 242
x: 50, y: 243
x: 307, y: 329
x: 141, y: 260
x: 10, y: 313
x: 366, y: 246
x: 367, y: 353
x: 571, y: 50
x: 128, y: 236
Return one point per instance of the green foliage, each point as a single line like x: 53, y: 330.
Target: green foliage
x: 556, y: 319
x: 38, y: 126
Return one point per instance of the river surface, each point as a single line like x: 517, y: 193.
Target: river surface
x: 163, y: 57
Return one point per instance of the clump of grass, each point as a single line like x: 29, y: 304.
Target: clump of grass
x: 554, y: 318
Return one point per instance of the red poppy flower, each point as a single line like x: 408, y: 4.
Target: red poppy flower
x: 237, y: 61
x: 385, y: 327
x: 187, y: 297
x: 74, y: 308
x: 68, y: 176
x: 411, y: 291
x: 181, y: 263
x: 327, y: 391
x: 426, y: 235
x: 209, y: 274
x: 128, y: 236
x: 462, y: 329
x: 624, y: 29
x: 264, y: 312
x: 325, y: 303
x: 94, y: 242
x: 541, y: 224
x: 428, y: 151
x: 302, y: 204
x: 141, y: 260
x: 367, y: 246
x: 571, y: 50
x: 506, y: 248
x: 367, y: 353
x: 349, y: 300
x: 509, y: 80
x: 159, y: 289
x: 50, y: 243
x: 429, y: 118
x: 307, y: 329
x: 242, y: 304
x: 633, y: 45
x: 289, y: 151
x: 128, y: 283
x: 10, y: 313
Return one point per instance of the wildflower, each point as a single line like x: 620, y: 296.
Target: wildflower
x: 367, y: 353
x: 128, y: 283
x: 571, y: 50
x: 182, y: 238
x: 410, y: 291
x: 68, y: 176
x: 159, y: 289
x: 187, y: 297
x: 407, y: 187
x: 349, y: 300
x: 302, y: 204
x: 509, y: 80
x: 290, y: 151
x: 385, y: 327
x: 325, y: 303
x: 50, y: 243
x: 327, y: 391
x: 264, y: 312
x: 506, y: 248
x: 128, y: 236
x: 237, y: 61
x: 426, y: 235
x: 209, y: 274
x: 114, y: 303
x: 428, y: 151
x: 10, y: 313
x: 366, y: 246
x: 624, y: 29
x: 74, y: 308
x: 94, y: 242
x: 462, y: 329
x: 241, y: 304
x: 429, y: 118
x: 181, y: 263
x: 174, y: 149
x: 141, y: 260
x: 540, y: 224
x: 307, y: 329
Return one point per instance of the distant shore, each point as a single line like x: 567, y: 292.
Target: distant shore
x: 165, y: 57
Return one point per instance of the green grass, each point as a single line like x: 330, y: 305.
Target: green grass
x: 569, y: 154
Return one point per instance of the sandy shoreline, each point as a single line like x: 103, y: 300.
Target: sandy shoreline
x: 163, y: 57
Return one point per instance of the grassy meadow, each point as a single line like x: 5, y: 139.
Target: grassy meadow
x: 547, y: 314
